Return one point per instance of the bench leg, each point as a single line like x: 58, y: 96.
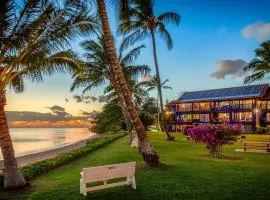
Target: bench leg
x: 133, y: 184
x: 129, y: 180
x: 82, y: 188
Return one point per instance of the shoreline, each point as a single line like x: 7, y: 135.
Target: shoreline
x: 27, y: 159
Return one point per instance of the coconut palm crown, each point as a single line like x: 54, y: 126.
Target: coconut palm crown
x: 259, y: 66
x: 34, y: 41
x: 98, y: 67
x: 139, y: 21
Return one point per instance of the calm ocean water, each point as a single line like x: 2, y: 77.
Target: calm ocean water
x: 31, y: 140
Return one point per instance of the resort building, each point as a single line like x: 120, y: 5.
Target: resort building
x: 248, y: 105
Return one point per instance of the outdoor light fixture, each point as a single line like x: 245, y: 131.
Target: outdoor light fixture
x: 257, y: 110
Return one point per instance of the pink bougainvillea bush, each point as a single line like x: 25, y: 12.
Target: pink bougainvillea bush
x: 214, y: 137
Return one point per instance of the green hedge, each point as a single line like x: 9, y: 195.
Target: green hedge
x: 42, y: 167
x: 263, y: 130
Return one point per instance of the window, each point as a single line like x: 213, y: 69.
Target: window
x: 264, y: 105
x: 268, y: 117
x: 235, y: 104
x: 204, y: 118
x: 242, y: 104
x: 223, y: 117
x: 222, y: 105
x: 245, y: 104
x: 184, y: 107
x: 196, y: 118
x: 185, y: 118
x: 201, y: 106
x: 242, y: 117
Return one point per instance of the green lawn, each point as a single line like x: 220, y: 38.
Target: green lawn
x: 187, y: 172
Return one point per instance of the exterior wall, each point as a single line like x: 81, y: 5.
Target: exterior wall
x: 252, y: 113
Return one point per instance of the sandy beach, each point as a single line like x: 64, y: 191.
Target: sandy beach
x: 25, y: 160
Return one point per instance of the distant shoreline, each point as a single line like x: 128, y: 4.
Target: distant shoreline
x: 27, y: 159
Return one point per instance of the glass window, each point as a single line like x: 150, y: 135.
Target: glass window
x: 196, y: 117
x: 235, y: 104
x: 185, y: 118
x: 201, y: 106
x: 184, y: 107
x: 264, y: 105
x: 221, y: 105
x: 245, y: 104
x: 268, y: 117
x: 223, y: 117
x: 204, y: 118
x: 242, y: 117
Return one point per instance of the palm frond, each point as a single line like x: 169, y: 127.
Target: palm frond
x: 169, y: 17
x: 134, y: 37
x: 254, y: 77
x: 131, y: 55
x: 17, y: 83
x: 165, y: 35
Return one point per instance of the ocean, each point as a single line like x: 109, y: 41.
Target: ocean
x: 32, y: 140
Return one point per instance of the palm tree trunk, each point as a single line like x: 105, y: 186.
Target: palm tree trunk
x: 13, y: 176
x: 123, y: 107
x: 148, y: 152
x: 162, y: 116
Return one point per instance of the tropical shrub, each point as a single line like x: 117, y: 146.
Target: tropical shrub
x: 214, y: 137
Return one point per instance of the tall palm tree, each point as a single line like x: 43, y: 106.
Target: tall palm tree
x: 98, y: 70
x: 259, y: 66
x: 152, y: 84
x: 32, y: 44
x: 142, y: 23
x: 147, y: 150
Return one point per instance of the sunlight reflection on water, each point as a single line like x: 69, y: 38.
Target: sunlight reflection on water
x: 31, y: 140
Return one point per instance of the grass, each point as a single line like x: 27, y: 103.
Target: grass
x: 187, y: 172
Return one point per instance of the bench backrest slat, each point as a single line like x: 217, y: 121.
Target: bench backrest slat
x: 94, y: 174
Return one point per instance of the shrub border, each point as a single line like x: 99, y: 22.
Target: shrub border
x: 41, y: 167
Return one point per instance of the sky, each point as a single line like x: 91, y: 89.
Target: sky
x: 214, y: 41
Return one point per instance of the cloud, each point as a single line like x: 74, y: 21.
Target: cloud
x: 229, y: 67
x: 259, y: 30
x: 59, y: 112
x: 78, y: 98
x: 93, y: 99
x: 102, y: 99
x: 89, y: 99
x: 56, y: 108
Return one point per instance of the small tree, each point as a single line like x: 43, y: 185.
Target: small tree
x: 214, y: 137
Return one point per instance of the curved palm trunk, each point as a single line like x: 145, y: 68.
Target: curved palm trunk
x: 162, y: 116
x: 13, y: 176
x: 123, y: 107
x: 148, y: 152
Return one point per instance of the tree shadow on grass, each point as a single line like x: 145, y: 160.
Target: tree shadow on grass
x: 160, y: 167
x: 221, y: 157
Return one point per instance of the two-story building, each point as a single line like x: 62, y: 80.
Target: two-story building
x: 248, y: 105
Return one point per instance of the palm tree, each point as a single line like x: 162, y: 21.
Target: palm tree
x: 98, y: 69
x: 148, y: 152
x: 141, y: 23
x: 152, y: 84
x: 259, y: 66
x: 32, y: 43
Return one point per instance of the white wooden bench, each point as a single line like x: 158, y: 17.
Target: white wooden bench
x: 257, y: 146
x: 106, y: 173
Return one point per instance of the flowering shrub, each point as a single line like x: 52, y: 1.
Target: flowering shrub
x: 215, y: 136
